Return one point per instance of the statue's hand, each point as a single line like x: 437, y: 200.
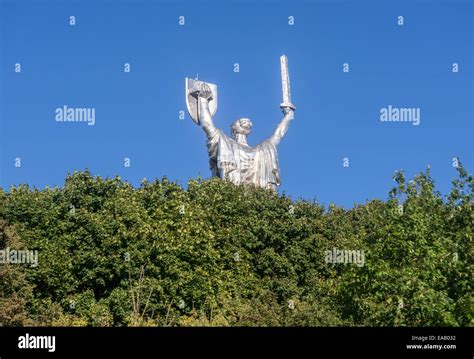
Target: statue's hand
x: 287, y: 110
x: 204, y: 92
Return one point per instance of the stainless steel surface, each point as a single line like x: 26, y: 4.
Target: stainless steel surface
x: 231, y: 158
x: 285, y: 83
x: 193, y: 87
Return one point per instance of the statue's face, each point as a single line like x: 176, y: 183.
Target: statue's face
x: 242, y: 126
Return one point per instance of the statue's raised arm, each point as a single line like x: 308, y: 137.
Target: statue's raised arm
x: 204, y: 113
x: 201, y: 101
x: 204, y: 95
x: 283, y: 126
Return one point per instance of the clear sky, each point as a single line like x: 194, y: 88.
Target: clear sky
x: 337, y: 116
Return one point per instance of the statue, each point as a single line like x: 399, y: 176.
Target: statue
x: 231, y: 158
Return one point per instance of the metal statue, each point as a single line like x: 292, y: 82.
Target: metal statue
x: 231, y: 158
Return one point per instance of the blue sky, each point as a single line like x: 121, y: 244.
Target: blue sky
x: 137, y: 113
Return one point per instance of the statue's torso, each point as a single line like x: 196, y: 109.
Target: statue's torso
x: 241, y: 163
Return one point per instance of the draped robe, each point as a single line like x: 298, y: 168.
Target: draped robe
x: 238, y: 162
x: 241, y: 163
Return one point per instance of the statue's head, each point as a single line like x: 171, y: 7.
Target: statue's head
x: 242, y: 126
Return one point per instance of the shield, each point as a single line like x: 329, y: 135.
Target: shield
x: 192, y: 86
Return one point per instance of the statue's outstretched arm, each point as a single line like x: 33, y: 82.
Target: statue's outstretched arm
x: 204, y: 114
x: 283, y: 126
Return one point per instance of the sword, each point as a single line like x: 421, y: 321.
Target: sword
x: 285, y: 84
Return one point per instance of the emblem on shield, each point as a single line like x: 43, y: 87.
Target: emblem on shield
x: 192, y: 89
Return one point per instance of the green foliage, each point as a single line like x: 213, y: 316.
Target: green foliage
x: 220, y: 254
x: 15, y: 290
